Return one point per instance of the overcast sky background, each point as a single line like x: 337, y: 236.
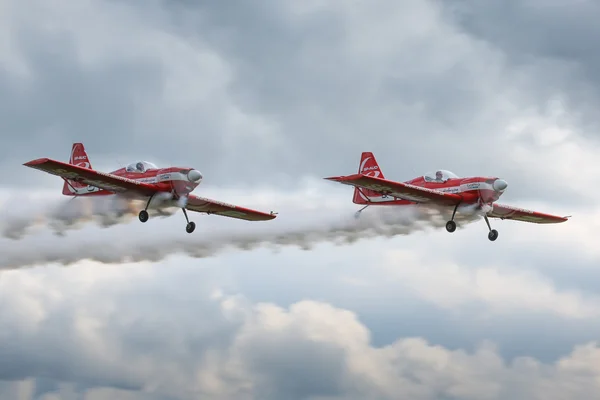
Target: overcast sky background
x: 266, y: 98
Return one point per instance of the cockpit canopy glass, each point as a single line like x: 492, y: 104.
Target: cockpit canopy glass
x: 440, y: 175
x: 140, y: 167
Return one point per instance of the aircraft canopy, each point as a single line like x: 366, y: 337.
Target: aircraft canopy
x: 441, y: 175
x: 140, y: 166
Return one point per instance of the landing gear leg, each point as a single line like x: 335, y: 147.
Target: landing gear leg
x: 189, y: 228
x: 451, y: 225
x: 143, y: 215
x: 357, y: 214
x: 493, y: 235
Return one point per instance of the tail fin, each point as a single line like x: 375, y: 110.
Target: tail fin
x: 80, y: 158
x: 368, y: 166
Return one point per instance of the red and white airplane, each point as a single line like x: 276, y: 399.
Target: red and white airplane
x: 141, y: 180
x: 438, y: 188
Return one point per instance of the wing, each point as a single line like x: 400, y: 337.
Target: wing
x: 202, y: 204
x: 520, y: 214
x: 400, y: 190
x: 91, y: 177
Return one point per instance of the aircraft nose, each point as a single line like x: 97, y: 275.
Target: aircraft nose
x: 194, y: 175
x: 499, y: 185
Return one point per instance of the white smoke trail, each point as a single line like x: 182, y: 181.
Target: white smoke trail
x: 297, y: 225
x: 22, y: 215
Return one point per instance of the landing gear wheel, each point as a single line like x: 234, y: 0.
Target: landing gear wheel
x: 190, y: 227
x: 450, y: 226
x: 143, y: 216
x: 493, y: 235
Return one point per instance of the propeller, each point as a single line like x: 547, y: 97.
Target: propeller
x: 182, y: 187
x: 499, y: 186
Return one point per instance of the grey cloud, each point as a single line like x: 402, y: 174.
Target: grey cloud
x: 568, y: 270
x: 295, y: 367
x: 560, y: 32
x: 265, y: 95
x: 65, y: 102
x: 391, y: 312
x: 270, y: 93
x: 461, y: 264
x: 85, y: 342
x: 109, y: 105
x: 391, y: 308
x: 309, y: 350
x: 297, y: 281
x: 417, y: 104
x: 359, y: 260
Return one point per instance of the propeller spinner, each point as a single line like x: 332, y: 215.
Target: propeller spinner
x: 194, y: 175
x: 499, y: 185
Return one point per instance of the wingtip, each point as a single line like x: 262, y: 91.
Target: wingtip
x: 342, y: 178
x: 35, y: 162
x: 273, y: 215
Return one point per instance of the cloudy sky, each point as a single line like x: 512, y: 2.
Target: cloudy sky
x: 266, y: 98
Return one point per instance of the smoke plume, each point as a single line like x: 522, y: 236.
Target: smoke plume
x: 297, y: 225
x: 21, y: 215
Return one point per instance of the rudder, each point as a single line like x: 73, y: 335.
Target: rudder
x: 368, y: 166
x: 79, y: 158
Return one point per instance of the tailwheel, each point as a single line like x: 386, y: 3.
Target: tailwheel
x: 357, y: 214
x: 143, y: 216
x: 189, y: 228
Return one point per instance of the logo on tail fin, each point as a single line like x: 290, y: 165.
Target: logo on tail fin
x: 80, y: 160
x: 79, y: 156
x: 371, y: 170
x: 368, y: 166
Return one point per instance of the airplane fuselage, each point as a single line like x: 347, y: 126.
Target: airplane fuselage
x: 472, y: 189
x: 174, y: 180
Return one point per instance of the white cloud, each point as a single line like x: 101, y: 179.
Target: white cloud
x: 447, y: 284
x: 268, y: 95
x: 228, y: 348
x: 551, y: 151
